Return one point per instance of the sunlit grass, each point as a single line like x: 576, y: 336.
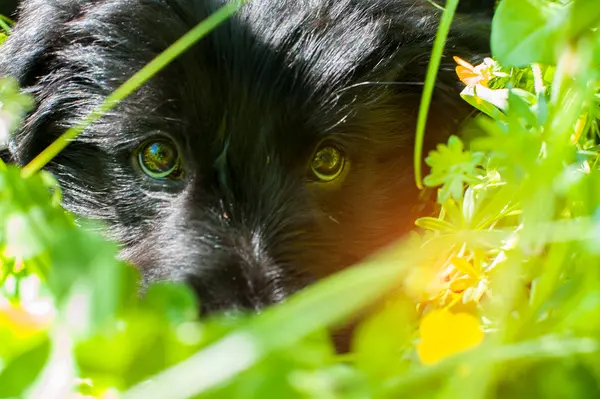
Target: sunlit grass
x: 497, y: 294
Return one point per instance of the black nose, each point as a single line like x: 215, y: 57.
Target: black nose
x: 235, y: 285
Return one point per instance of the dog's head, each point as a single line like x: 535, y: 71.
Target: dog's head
x: 275, y: 151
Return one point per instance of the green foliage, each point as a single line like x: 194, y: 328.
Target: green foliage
x: 513, y: 253
x: 452, y: 168
x: 13, y: 105
x: 525, y: 31
x: 4, y: 28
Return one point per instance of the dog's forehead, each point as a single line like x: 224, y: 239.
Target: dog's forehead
x: 276, y: 69
x: 291, y: 57
x: 327, y: 40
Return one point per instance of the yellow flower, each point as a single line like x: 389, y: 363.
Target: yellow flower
x: 474, y: 75
x: 21, y: 323
x: 444, y: 333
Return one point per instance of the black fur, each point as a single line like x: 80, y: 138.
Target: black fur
x: 247, y: 107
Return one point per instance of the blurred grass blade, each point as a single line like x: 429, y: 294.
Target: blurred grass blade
x: 432, y: 70
x: 585, y: 16
x: 546, y: 347
x: 321, y: 305
x: 134, y: 83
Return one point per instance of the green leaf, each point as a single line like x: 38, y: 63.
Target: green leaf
x: 92, y: 281
x: 177, y: 302
x: 379, y: 341
x: 527, y: 31
x: 13, y: 103
x: 31, y: 220
x: 22, y: 372
x: 434, y: 224
x: 452, y: 167
x: 585, y: 16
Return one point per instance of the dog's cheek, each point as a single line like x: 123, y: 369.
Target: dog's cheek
x: 373, y: 207
x: 152, y: 246
x: 229, y: 266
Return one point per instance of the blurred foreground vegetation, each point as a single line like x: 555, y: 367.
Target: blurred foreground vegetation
x: 497, y: 296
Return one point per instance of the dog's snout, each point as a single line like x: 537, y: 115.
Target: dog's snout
x: 234, y: 283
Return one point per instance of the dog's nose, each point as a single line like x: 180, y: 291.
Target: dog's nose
x: 234, y: 286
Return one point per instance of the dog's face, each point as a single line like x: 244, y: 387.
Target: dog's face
x: 274, y: 152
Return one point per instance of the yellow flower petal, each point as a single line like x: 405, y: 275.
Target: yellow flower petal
x: 444, y: 333
x: 21, y: 323
x: 465, y: 267
x: 463, y: 63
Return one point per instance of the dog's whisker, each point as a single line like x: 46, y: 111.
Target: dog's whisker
x: 376, y: 83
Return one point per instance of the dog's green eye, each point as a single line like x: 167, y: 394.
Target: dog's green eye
x: 328, y: 163
x: 160, y: 160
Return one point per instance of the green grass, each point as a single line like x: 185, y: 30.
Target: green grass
x: 500, y: 292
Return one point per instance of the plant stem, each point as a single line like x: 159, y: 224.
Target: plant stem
x: 432, y: 70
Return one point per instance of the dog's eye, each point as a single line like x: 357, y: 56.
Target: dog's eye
x: 328, y: 163
x: 159, y: 159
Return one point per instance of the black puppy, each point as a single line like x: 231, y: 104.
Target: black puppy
x: 274, y: 152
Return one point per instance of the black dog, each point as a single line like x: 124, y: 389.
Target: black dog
x: 274, y: 152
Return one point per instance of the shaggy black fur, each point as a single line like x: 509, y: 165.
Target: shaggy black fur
x: 247, y: 107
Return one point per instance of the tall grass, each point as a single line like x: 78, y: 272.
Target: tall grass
x: 496, y: 296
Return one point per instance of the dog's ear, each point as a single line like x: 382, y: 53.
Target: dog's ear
x: 25, y: 54
x: 413, y: 28
x: 29, y: 55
